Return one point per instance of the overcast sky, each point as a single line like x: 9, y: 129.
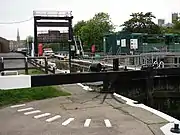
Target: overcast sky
x: 119, y: 10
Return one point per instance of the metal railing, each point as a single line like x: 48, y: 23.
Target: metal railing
x: 53, y: 13
x: 40, y: 63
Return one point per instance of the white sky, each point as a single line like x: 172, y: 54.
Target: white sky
x: 119, y: 10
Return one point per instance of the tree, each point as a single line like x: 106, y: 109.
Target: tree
x: 29, y: 39
x: 174, y: 29
x: 93, y: 30
x: 78, y: 27
x: 141, y: 23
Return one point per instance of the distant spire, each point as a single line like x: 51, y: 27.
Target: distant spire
x: 18, y: 37
x: 18, y: 32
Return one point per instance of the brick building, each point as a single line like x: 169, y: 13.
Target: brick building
x: 52, y: 36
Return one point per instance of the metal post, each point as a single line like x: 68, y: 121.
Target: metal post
x: 35, y: 37
x: 115, y: 64
x: 54, y: 70
x: 69, y: 55
x: 70, y: 41
x: 105, y: 85
x: 26, y: 66
x: 46, y: 65
x: 2, y: 64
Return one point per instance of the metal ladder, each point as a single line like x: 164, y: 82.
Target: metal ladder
x: 75, y: 41
x: 118, y: 51
x: 80, y: 43
x: 110, y: 51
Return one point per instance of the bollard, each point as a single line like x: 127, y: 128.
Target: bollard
x: 175, y: 129
x: 96, y: 67
x: 125, y: 68
x: 115, y: 64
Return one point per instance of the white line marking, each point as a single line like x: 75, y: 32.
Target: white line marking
x: 42, y: 115
x: 108, y: 123
x: 32, y: 112
x: 53, y: 118
x: 87, y: 122
x: 15, y: 106
x: 25, y: 109
x: 67, y: 121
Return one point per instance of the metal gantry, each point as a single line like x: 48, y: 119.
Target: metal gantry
x: 63, y: 19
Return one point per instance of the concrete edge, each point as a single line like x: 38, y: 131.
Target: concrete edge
x: 166, y: 128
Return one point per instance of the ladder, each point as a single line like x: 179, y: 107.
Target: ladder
x: 80, y: 43
x: 118, y: 51
x: 110, y: 51
x: 76, y: 46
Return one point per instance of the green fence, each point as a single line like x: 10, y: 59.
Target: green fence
x: 136, y: 43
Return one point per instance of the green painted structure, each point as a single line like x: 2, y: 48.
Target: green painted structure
x: 136, y: 43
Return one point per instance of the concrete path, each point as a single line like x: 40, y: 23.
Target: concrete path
x: 83, y: 113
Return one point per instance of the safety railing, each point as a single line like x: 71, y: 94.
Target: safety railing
x: 53, y: 13
x: 40, y: 63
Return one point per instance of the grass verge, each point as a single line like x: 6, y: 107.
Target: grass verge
x: 16, y: 96
x: 32, y: 72
x: 10, y: 97
x: 35, y: 71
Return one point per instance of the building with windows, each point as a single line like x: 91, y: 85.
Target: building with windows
x: 161, y: 22
x: 52, y: 36
x: 174, y: 17
x: 14, y: 45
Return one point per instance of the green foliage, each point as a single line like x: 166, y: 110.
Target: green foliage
x: 31, y: 72
x: 177, y: 26
x: 10, y: 97
x: 78, y: 26
x: 175, y: 29
x: 141, y: 23
x: 15, y: 96
x: 93, y: 30
x: 35, y: 72
x: 29, y: 39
